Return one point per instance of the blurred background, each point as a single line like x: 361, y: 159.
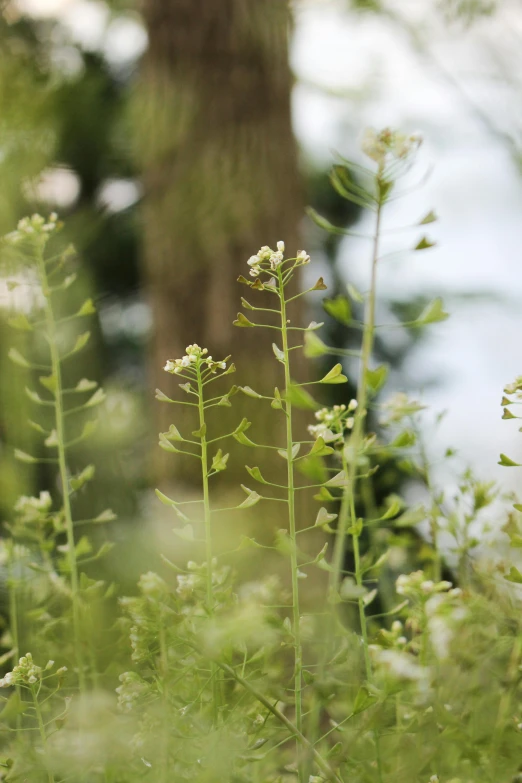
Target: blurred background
x: 175, y: 137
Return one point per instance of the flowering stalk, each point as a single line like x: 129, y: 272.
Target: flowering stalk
x: 30, y: 241
x: 273, y: 274
x: 199, y: 370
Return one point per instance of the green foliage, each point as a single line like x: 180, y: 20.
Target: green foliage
x: 268, y: 661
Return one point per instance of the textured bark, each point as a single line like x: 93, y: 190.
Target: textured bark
x: 221, y: 179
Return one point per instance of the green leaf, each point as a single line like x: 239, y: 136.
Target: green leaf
x: 250, y: 392
x: 314, y: 346
x: 507, y: 462
x: 38, y: 427
x: 295, y: 451
x: 89, y: 428
x: 242, y: 426
x: 49, y: 382
x: 242, y: 320
x: 431, y: 217
x: 256, y: 474
x: 321, y: 221
x: 411, y: 517
x: 339, y: 308
x: 355, y: 294
x: 377, y: 378
x: 167, y: 445
x: 81, y: 342
x: 106, y: 516
x: 424, y: 244
x: 393, y: 509
x: 97, y: 398
x: 297, y: 396
x: 323, y: 517
x: 22, y: 456
x: 185, y: 533
x: 20, y: 322
x: 320, y: 449
x: 278, y: 353
x: 320, y: 285
x: 251, y: 499
x: 82, y: 478
x: 87, y: 308
x: 85, y: 385
x: 335, y: 375
x: 514, y: 575
x: 83, y: 547
x: 404, y: 439
x: 432, y: 313
x: 52, y: 440
x: 276, y: 402
x: 164, y: 499
x: 324, y: 495
x: 162, y: 397
x: 350, y: 591
x: 219, y: 461
x: 173, y: 434
x: 339, y: 480
x: 17, y: 358
x: 364, y: 700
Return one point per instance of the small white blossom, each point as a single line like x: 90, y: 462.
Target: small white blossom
x: 281, y: 246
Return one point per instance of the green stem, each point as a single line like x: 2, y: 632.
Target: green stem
x: 348, y: 511
x: 13, y: 617
x: 164, y: 663
x: 62, y: 462
x: 41, y: 729
x: 298, y: 657
x: 322, y: 764
x: 208, y: 531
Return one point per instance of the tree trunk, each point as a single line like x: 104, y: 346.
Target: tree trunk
x: 221, y: 179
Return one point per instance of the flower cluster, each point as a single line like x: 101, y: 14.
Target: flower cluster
x: 333, y: 422
x: 515, y: 387
x: 131, y: 689
x: 268, y: 260
x: 24, y: 673
x: 35, y: 226
x: 415, y: 585
x: 31, y: 509
x: 381, y: 146
x: 194, y: 358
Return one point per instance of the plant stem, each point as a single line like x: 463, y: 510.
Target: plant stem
x: 348, y: 510
x: 298, y: 657
x: 41, y: 729
x: 322, y: 764
x: 13, y: 618
x: 60, y: 432
x: 208, y: 532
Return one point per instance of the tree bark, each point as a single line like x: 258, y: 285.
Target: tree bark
x: 221, y: 179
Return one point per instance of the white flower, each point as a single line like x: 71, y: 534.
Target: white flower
x: 170, y: 366
x: 352, y: 405
x: 303, y: 257
x: 253, y: 261
x: 350, y: 423
x: 222, y: 365
x: 254, y: 272
x: 281, y: 246
x: 185, y: 362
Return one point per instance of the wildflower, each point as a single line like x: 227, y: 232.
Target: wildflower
x: 387, y: 144
x: 303, y: 258
x: 352, y: 405
x: 281, y: 246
